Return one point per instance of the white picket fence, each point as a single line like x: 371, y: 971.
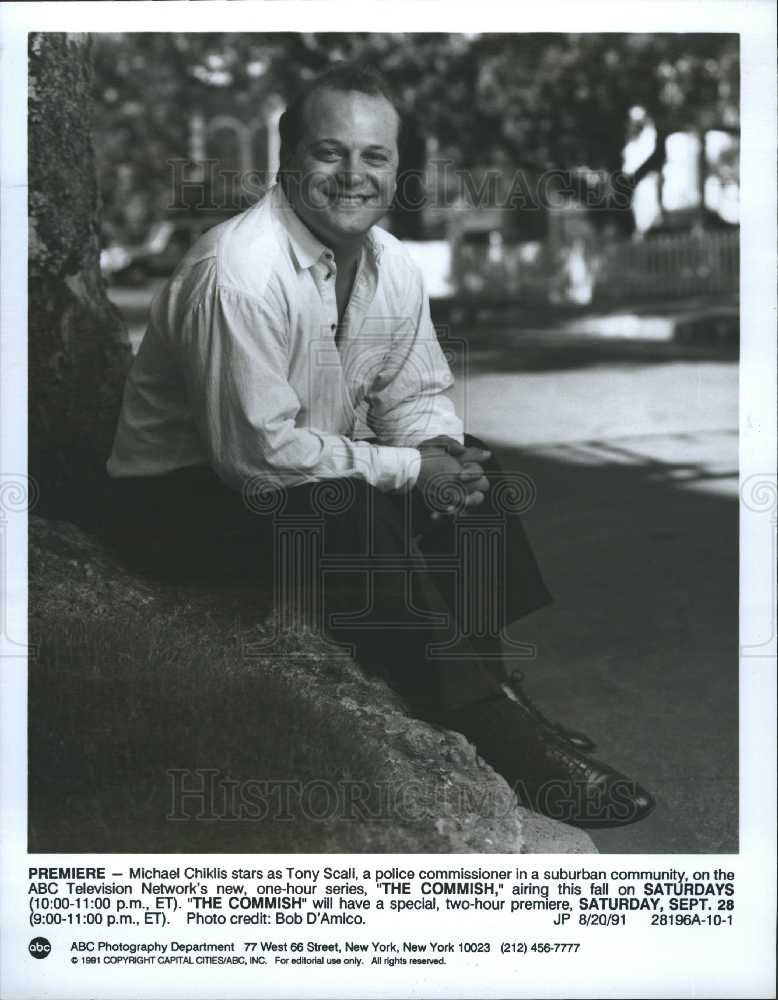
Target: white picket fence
x: 660, y: 267
x: 671, y: 265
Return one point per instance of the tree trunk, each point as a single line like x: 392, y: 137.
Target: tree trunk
x: 78, y: 351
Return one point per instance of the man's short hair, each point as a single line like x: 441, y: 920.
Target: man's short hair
x: 342, y: 77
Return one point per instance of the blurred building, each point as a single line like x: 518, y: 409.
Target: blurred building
x: 233, y: 159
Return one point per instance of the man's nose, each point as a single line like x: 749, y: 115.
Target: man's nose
x: 351, y: 171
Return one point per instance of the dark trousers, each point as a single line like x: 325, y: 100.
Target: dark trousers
x: 421, y: 602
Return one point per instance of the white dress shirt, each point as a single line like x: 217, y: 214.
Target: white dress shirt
x: 239, y: 367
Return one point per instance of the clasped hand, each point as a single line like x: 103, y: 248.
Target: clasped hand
x: 451, y: 477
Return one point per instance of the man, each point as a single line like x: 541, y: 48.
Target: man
x: 291, y: 374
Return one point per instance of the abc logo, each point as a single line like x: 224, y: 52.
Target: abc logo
x: 39, y: 947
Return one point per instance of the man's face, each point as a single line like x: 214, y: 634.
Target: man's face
x: 343, y: 172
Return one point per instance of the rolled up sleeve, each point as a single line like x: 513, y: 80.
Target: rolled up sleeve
x: 233, y: 351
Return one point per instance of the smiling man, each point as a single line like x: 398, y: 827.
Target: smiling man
x: 291, y: 375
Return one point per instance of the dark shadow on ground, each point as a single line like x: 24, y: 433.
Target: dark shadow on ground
x: 492, y: 348
x: 640, y: 648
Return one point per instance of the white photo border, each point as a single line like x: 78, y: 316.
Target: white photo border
x: 745, y: 958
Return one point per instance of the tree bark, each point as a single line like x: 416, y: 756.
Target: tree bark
x: 78, y: 352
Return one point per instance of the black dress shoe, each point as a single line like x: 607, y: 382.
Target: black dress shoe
x: 514, y: 690
x: 546, y: 773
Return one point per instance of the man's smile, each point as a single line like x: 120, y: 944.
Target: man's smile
x: 351, y: 199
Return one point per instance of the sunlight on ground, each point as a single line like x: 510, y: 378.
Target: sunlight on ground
x: 705, y: 462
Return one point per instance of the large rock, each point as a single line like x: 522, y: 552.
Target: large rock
x: 140, y: 691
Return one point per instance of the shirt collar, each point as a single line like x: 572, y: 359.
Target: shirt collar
x: 306, y: 247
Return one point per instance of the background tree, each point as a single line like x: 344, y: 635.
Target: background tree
x: 565, y: 99
x: 77, y: 351
x: 554, y: 100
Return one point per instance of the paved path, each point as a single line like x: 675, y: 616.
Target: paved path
x: 635, y: 527
x: 603, y: 402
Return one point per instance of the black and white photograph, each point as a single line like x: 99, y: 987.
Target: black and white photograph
x: 386, y: 472
x: 413, y: 364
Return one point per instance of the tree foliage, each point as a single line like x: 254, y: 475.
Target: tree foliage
x: 558, y: 100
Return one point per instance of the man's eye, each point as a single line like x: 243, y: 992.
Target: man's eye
x: 328, y: 154
x: 376, y: 158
